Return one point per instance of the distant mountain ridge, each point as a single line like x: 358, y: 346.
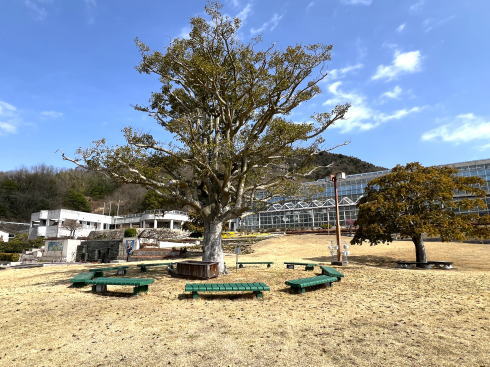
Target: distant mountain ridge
x: 341, y: 163
x: 25, y: 191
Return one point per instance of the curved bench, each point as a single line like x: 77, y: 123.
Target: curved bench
x: 241, y: 263
x: 300, y: 285
x: 99, y: 285
x: 80, y: 280
x: 308, y: 266
x: 256, y: 288
x: 331, y: 272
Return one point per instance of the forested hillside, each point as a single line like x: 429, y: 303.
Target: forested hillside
x: 341, y: 163
x: 25, y: 191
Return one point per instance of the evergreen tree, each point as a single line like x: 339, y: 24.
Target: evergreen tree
x: 413, y: 201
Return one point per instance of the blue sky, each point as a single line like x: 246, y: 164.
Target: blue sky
x: 415, y: 71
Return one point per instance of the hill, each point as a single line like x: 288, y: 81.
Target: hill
x: 342, y: 163
x: 25, y: 191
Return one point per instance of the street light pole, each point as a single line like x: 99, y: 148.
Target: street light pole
x: 334, y: 178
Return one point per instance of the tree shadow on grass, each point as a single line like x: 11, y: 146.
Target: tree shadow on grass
x: 112, y: 294
x: 367, y: 260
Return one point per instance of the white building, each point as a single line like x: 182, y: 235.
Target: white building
x: 60, y: 250
x: 53, y: 223
x: 4, y: 236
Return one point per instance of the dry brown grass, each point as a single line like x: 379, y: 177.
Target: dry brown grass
x: 376, y: 316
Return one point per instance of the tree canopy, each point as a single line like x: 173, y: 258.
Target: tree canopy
x: 225, y: 103
x: 413, y: 201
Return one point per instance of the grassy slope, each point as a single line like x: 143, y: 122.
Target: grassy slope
x: 376, y: 316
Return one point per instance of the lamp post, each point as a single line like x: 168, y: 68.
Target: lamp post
x: 334, y: 178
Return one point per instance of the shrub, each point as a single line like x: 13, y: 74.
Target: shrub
x: 9, y: 257
x: 130, y: 232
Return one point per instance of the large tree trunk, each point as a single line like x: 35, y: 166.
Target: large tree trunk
x: 420, y: 255
x: 213, y: 250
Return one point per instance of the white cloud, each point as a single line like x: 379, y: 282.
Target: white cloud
x: 90, y: 6
x: 465, y: 128
x: 37, y: 8
x: 8, y: 118
x: 416, y: 6
x: 484, y: 147
x: 51, y: 114
x: 401, y: 27
x: 244, y: 13
x: 356, y: 2
x: 7, y: 128
x: 184, y: 32
x: 393, y: 94
x: 361, y: 116
x: 430, y: 23
x: 270, y: 25
x: 403, y: 63
x: 339, y: 73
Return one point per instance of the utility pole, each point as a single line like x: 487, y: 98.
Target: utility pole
x: 334, y: 178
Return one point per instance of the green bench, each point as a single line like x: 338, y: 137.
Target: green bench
x: 308, y: 266
x: 80, y: 280
x: 241, y: 263
x: 99, y: 272
x: 144, y: 267
x: 331, y: 272
x: 300, y: 285
x: 256, y: 288
x: 426, y: 265
x: 99, y: 285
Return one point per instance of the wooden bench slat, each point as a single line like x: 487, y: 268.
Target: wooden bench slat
x: 121, y: 281
x: 302, y: 283
x: 326, y: 270
x: 257, y: 288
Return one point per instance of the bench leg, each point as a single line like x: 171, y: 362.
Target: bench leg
x: 309, y: 267
x: 99, y: 288
x: 121, y: 272
x: 195, y: 295
x: 240, y: 266
x: 289, y: 266
x: 328, y: 285
x: 268, y: 265
x: 258, y: 294
x: 140, y: 289
x: 98, y: 274
x: 143, y: 269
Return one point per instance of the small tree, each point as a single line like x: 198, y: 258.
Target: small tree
x: 71, y: 225
x: 75, y: 200
x: 413, y: 200
x: 225, y: 104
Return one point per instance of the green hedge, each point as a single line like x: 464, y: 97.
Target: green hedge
x: 130, y: 232
x: 9, y: 257
x: 16, y: 248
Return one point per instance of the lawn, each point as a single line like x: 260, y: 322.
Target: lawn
x: 376, y: 316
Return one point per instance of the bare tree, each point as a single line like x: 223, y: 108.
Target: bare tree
x: 71, y: 225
